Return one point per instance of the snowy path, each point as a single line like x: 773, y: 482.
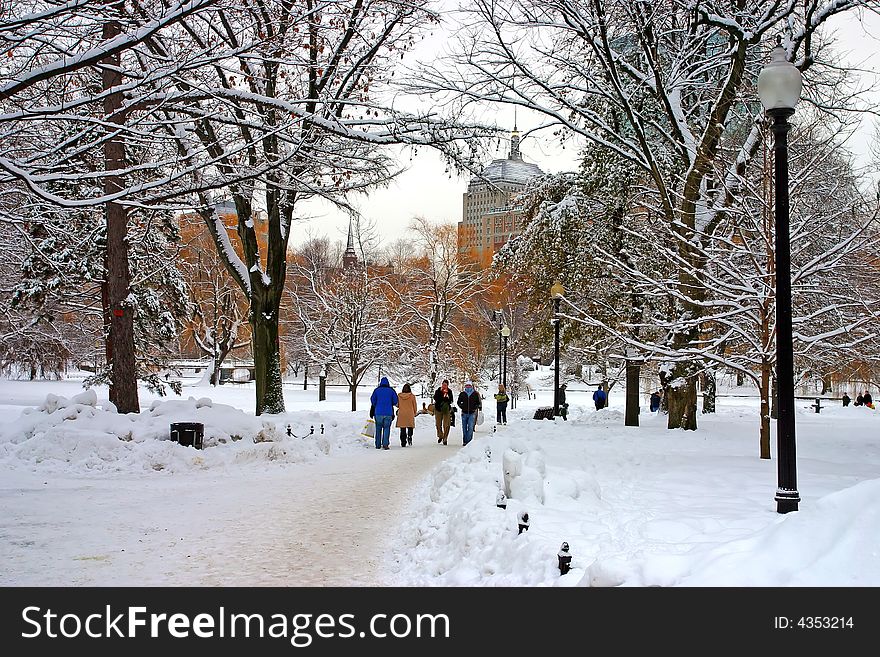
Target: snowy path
x: 326, y: 523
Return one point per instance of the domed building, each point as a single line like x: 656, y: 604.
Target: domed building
x: 490, y: 216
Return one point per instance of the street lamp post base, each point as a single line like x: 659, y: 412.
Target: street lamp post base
x: 786, y: 500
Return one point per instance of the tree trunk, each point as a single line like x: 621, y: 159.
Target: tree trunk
x: 740, y: 379
x: 709, y: 389
x: 215, y: 373
x: 633, y: 371
x: 123, y: 367
x: 353, y: 396
x: 774, y: 398
x: 219, y: 358
x: 682, y: 395
x: 826, y: 384
x: 765, y: 410
x: 267, y: 356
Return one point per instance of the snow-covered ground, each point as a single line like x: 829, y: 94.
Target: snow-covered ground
x: 89, y: 497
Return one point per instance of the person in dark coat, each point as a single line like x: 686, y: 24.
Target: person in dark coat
x: 470, y: 403
x: 599, y: 398
x: 501, y: 400
x: 867, y: 400
x: 563, y: 405
x: 655, y: 401
x: 443, y: 411
x: 384, y: 399
x: 846, y: 399
x: 859, y: 400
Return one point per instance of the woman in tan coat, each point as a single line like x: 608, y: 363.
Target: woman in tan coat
x: 406, y: 415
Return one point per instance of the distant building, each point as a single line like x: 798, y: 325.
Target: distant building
x: 490, y: 216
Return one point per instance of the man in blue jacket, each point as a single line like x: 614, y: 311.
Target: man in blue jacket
x: 383, y: 399
x: 599, y: 398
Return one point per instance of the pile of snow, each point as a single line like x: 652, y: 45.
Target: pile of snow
x: 645, y: 506
x: 78, y: 435
x: 462, y: 538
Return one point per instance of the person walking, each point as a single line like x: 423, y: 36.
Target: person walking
x: 599, y: 398
x: 470, y: 403
x: 846, y: 400
x: 655, y: 401
x: 443, y: 411
x: 407, y: 410
x: 384, y: 399
x: 501, y: 400
x: 563, y: 405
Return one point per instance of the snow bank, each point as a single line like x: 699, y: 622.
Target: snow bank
x: 462, y: 538
x: 76, y: 435
x: 645, y: 506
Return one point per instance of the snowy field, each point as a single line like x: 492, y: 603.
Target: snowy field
x: 89, y: 497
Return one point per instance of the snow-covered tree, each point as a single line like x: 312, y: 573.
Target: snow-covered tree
x: 218, y: 317
x: 681, y: 75
x: 834, y: 237
x: 577, y: 225
x: 261, y: 102
x: 435, y: 291
x: 63, y: 278
x: 72, y: 111
x: 348, y: 317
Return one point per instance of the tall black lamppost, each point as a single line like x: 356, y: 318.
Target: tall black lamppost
x: 505, y: 333
x: 779, y: 87
x: 497, y: 316
x: 556, y: 293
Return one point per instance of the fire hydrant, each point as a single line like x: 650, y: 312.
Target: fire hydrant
x: 501, y: 500
x: 523, y: 522
x: 564, y: 559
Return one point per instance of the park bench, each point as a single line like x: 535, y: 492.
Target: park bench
x: 544, y: 413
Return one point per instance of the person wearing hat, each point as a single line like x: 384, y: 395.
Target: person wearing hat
x: 469, y: 402
x: 384, y: 399
x: 443, y: 411
x: 406, y: 415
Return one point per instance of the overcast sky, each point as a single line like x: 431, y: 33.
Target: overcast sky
x: 426, y: 189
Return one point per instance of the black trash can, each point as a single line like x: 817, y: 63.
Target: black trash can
x: 188, y: 434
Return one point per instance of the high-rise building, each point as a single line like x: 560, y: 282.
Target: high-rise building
x: 490, y: 215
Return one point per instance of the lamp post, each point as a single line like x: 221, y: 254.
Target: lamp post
x: 779, y: 87
x: 322, y: 383
x: 496, y: 315
x: 505, y: 332
x: 556, y: 293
